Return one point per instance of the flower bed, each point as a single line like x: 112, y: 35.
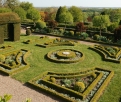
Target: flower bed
x: 84, y: 86
x: 14, y: 62
x: 112, y: 54
x: 65, y: 56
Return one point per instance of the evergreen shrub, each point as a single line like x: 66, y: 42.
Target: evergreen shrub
x: 2, y: 58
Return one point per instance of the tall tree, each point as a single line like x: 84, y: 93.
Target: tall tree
x: 59, y: 12
x: 33, y: 14
x: 76, y: 13
x: 101, y: 21
x: 21, y: 12
x: 26, y: 5
x: 66, y: 17
x: 12, y: 4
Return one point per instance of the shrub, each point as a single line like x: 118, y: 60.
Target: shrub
x: 40, y: 25
x: 103, y: 38
x: 94, y: 75
x: 53, y: 79
x: 67, y: 82
x: 2, y: 58
x: 28, y: 32
x: 66, y: 33
x: 84, y: 35
x: 61, y: 31
x: 6, y: 98
x: 96, y: 37
x: 71, y: 33
x: 13, y: 63
x: 78, y: 34
x: 79, y: 86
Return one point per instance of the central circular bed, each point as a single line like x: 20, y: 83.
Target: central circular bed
x: 65, y: 56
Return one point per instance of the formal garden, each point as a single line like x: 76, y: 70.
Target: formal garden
x: 50, y: 56
x: 81, y: 75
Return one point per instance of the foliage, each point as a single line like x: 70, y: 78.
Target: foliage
x: 66, y: 17
x: 2, y: 58
x: 101, y: 21
x: 5, y: 98
x: 26, y: 5
x: 3, y: 10
x: 71, y: 33
x: 67, y: 82
x: 63, y: 15
x: 80, y: 27
x: 40, y: 24
x: 117, y: 33
x: 59, y: 11
x: 79, y: 86
x: 96, y: 37
x: 112, y: 26
x: 76, y: 13
x: 28, y: 32
x: 84, y: 35
x: 53, y: 79
x: 12, y: 4
x: 21, y: 12
x: 33, y: 14
x: 52, y: 24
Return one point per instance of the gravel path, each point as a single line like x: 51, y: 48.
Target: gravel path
x: 20, y: 91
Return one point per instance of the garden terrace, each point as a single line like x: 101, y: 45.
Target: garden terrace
x: 109, y: 53
x: 14, y: 61
x: 63, y: 84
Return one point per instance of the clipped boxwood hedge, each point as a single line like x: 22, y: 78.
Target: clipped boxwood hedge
x: 68, y: 60
x: 42, y: 83
x: 105, y: 54
x: 10, y: 70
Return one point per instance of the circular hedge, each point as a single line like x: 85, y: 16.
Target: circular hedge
x: 65, y: 56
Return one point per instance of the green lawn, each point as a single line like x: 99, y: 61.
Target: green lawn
x: 39, y: 64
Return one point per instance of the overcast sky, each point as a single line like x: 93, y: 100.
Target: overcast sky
x: 80, y: 3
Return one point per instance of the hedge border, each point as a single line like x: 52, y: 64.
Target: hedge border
x: 68, y: 61
x: 101, y: 52
x: 17, y: 69
x: 68, y: 99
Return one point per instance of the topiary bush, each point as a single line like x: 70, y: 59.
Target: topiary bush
x: 84, y: 35
x: 28, y: 32
x: 79, y: 86
x: 40, y: 25
x: 53, y: 79
x: 2, y: 58
x: 94, y: 75
x: 71, y: 33
x: 96, y: 37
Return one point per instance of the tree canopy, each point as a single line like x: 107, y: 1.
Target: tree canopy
x: 21, y: 12
x: 26, y: 5
x: 33, y: 14
x: 101, y: 21
x: 76, y: 13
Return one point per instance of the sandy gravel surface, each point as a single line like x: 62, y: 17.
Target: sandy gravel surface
x: 20, y: 91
